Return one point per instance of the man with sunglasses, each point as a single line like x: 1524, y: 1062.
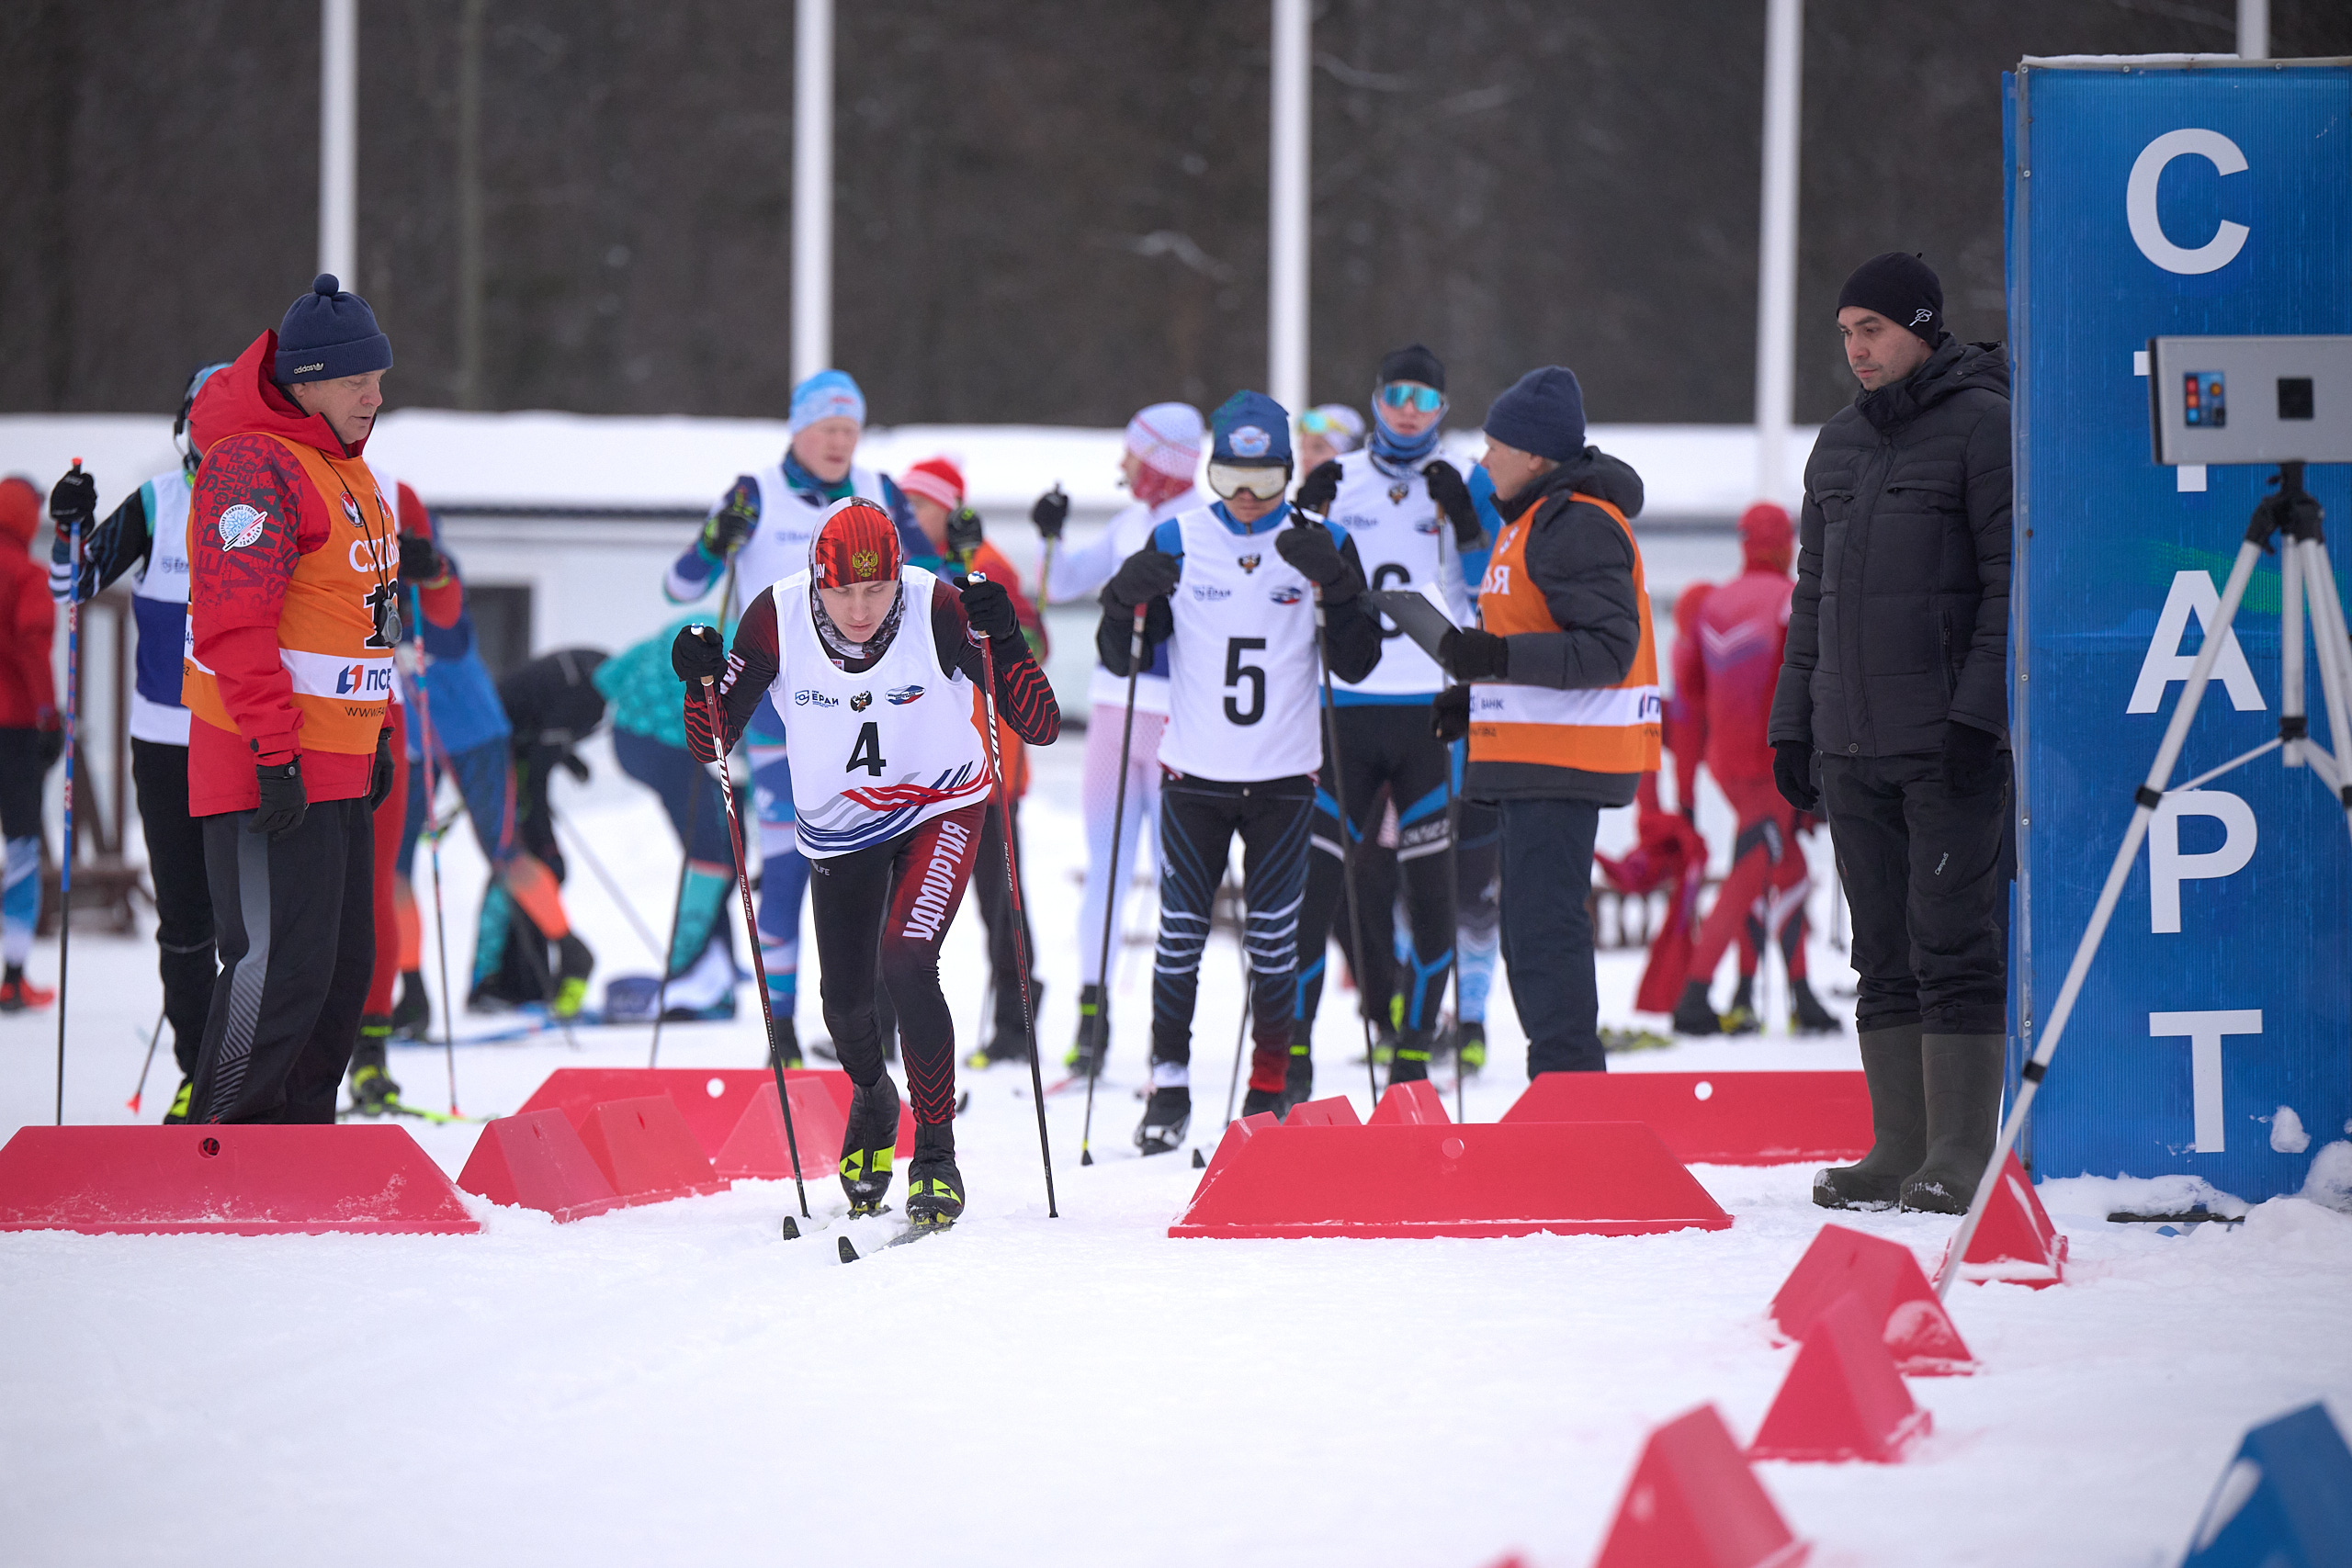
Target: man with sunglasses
x: 1232, y: 589
x: 1410, y: 516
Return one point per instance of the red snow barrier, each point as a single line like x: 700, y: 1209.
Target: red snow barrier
x: 1885, y: 1279
x: 712, y: 1100
x: 1336, y: 1112
x: 2015, y: 1241
x: 535, y: 1159
x: 1842, y: 1399
x: 645, y: 1150
x: 226, y: 1180
x: 1410, y: 1104
x: 759, y: 1148
x: 1596, y: 1178
x: 1693, y: 1503
x: 1738, y: 1118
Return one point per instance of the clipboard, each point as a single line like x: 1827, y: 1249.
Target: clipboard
x: 1417, y: 613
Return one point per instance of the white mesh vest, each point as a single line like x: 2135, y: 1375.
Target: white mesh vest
x: 1242, y: 677
x: 1404, y: 542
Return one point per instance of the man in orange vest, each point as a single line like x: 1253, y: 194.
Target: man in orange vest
x: 293, y: 566
x: 1562, y: 705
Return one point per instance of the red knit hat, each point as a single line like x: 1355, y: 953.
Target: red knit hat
x: 935, y: 478
x: 20, y: 510
x: 855, y: 543
x: 1764, y: 536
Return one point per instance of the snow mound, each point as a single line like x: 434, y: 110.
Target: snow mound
x: 2329, y: 1180
x: 2103, y: 1195
x: 2287, y: 1134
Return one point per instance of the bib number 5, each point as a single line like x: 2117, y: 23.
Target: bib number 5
x: 1237, y: 673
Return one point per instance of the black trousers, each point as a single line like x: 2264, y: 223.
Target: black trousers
x: 183, y: 894
x: 1390, y: 754
x: 996, y: 913
x: 1927, y: 875
x: 1198, y: 819
x: 297, y: 947
x: 1547, y: 932
x: 23, y: 779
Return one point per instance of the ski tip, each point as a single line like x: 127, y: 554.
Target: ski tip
x: 791, y: 1228
x: 849, y: 1253
x: 1199, y: 1163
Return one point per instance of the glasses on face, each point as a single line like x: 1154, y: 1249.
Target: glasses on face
x: 1229, y: 480
x: 1315, y: 422
x: 1413, y: 395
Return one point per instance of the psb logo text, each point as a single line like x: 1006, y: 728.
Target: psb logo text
x: 361, y: 681
x: 806, y: 698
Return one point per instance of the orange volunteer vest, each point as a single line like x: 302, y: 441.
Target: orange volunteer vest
x: 1604, y: 730
x: 326, y: 632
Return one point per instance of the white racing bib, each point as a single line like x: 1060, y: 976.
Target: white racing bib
x: 1243, y: 690
x: 881, y: 752
x: 1404, y: 542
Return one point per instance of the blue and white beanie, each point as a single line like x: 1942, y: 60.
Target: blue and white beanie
x: 1251, y: 430
x: 829, y: 394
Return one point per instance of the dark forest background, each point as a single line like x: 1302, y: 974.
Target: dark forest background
x: 1047, y: 211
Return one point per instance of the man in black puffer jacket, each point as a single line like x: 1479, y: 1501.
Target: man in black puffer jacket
x: 1895, y: 681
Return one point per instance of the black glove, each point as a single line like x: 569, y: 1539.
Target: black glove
x: 1449, y: 714
x: 379, y: 781
x: 75, y: 500
x: 1452, y: 498
x: 725, y: 532
x: 1143, y: 576
x: 1972, y: 760
x: 962, y: 533
x: 575, y: 764
x: 1468, y: 653
x: 52, y: 747
x: 989, y: 606
x: 697, y: 654
x: 421, y: 560
x: 1050, y: 513
x: 1321, y: 488
x: 1792, y: 774
x: 1310, y: 551
x: 283, y: 801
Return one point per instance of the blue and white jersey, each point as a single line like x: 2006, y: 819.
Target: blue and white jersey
x: 1242, y: 686
x: 1405, y: 542
x: 159, y: 605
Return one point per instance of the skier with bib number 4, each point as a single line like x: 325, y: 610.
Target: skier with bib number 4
x: 889, y: 781
x: 1232, y: 589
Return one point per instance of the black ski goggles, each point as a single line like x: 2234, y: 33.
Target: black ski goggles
x: 1229, y: 480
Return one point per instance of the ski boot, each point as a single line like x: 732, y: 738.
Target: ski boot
x: 1298, y: 1081
x: 1806, y: 1015
x: 1892, y: 1065
x: 1741, y: 1018
x: 1411, y: 1062
x: 1694, y: 1014
x: 935, y: 1187
x: 20, y: 995
x: 1165, y: 1117
x: 412, y: 1014
x: 868, y: 1143
x: 576, y: 963
x: 1384, y: 1044
x: 1092, y: 1046
x: 1470, y: 1046
x: 1962, y: 1076
x: 787, y: 1052
x: 373, y: 1092
x: 177, y: 1115
x: 1616, y: 1042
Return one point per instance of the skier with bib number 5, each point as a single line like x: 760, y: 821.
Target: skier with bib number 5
x: 876, y: 661
x: 1233, y: 590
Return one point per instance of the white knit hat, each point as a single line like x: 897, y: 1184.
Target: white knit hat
x: 1167, y: 437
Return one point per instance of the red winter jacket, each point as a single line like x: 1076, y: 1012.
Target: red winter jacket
x: 1727, y: 673
x: 235, y: 598
x: 28, y: 619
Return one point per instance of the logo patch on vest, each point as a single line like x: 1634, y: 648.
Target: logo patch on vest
x: 240, y: 526
x: 1288, y: 593
x: 1250, y: 563
x: 903, y: 695
x: 805, y: 696
x: 860, y: 701
x: 1398, y: 492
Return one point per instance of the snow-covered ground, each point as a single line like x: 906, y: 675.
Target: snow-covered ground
x: 675, y: 1383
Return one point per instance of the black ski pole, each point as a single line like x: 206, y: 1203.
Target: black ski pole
x: 580, y: 846
x: 72, y: 744
x: 140, y: 1092
x: 1454, y: 924
x: 750, y: 922
x: 1019, y: 919
x: 1100, y: 1043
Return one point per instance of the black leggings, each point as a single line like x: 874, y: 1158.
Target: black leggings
x: 904, y: 890
x: 183, y: 895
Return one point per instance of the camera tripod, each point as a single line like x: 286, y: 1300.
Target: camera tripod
x: 2307, y: 591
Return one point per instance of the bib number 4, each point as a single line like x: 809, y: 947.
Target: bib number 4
x: 867, y: 752
x: 1238, y: 674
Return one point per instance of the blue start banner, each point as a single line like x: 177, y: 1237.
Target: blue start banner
x: 2152, y: 197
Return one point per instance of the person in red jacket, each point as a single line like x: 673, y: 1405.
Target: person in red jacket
x: 31, y: 739
x: 1726, y: 675
x: 293, y: 558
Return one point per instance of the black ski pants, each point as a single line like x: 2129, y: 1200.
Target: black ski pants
x: 183, y: 894
x: 1198, y: 819
x: 1547, y: 932
x: 296, y: 928
x: 1927, y: 875
x: 1382, y: 747
x: 997, y: 914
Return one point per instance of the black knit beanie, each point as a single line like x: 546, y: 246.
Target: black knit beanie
x: 1412, y: 363
x: 1903, y: 288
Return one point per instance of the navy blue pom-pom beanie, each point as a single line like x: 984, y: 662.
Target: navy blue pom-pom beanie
x: 328, y: 334
x: 1542, y: 413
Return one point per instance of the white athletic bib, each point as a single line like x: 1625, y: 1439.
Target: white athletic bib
x: 779, y: 546
x: 159, y: 605
x: 1241, y: 689
x: 1404, y: 542
x: 876, y: 753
